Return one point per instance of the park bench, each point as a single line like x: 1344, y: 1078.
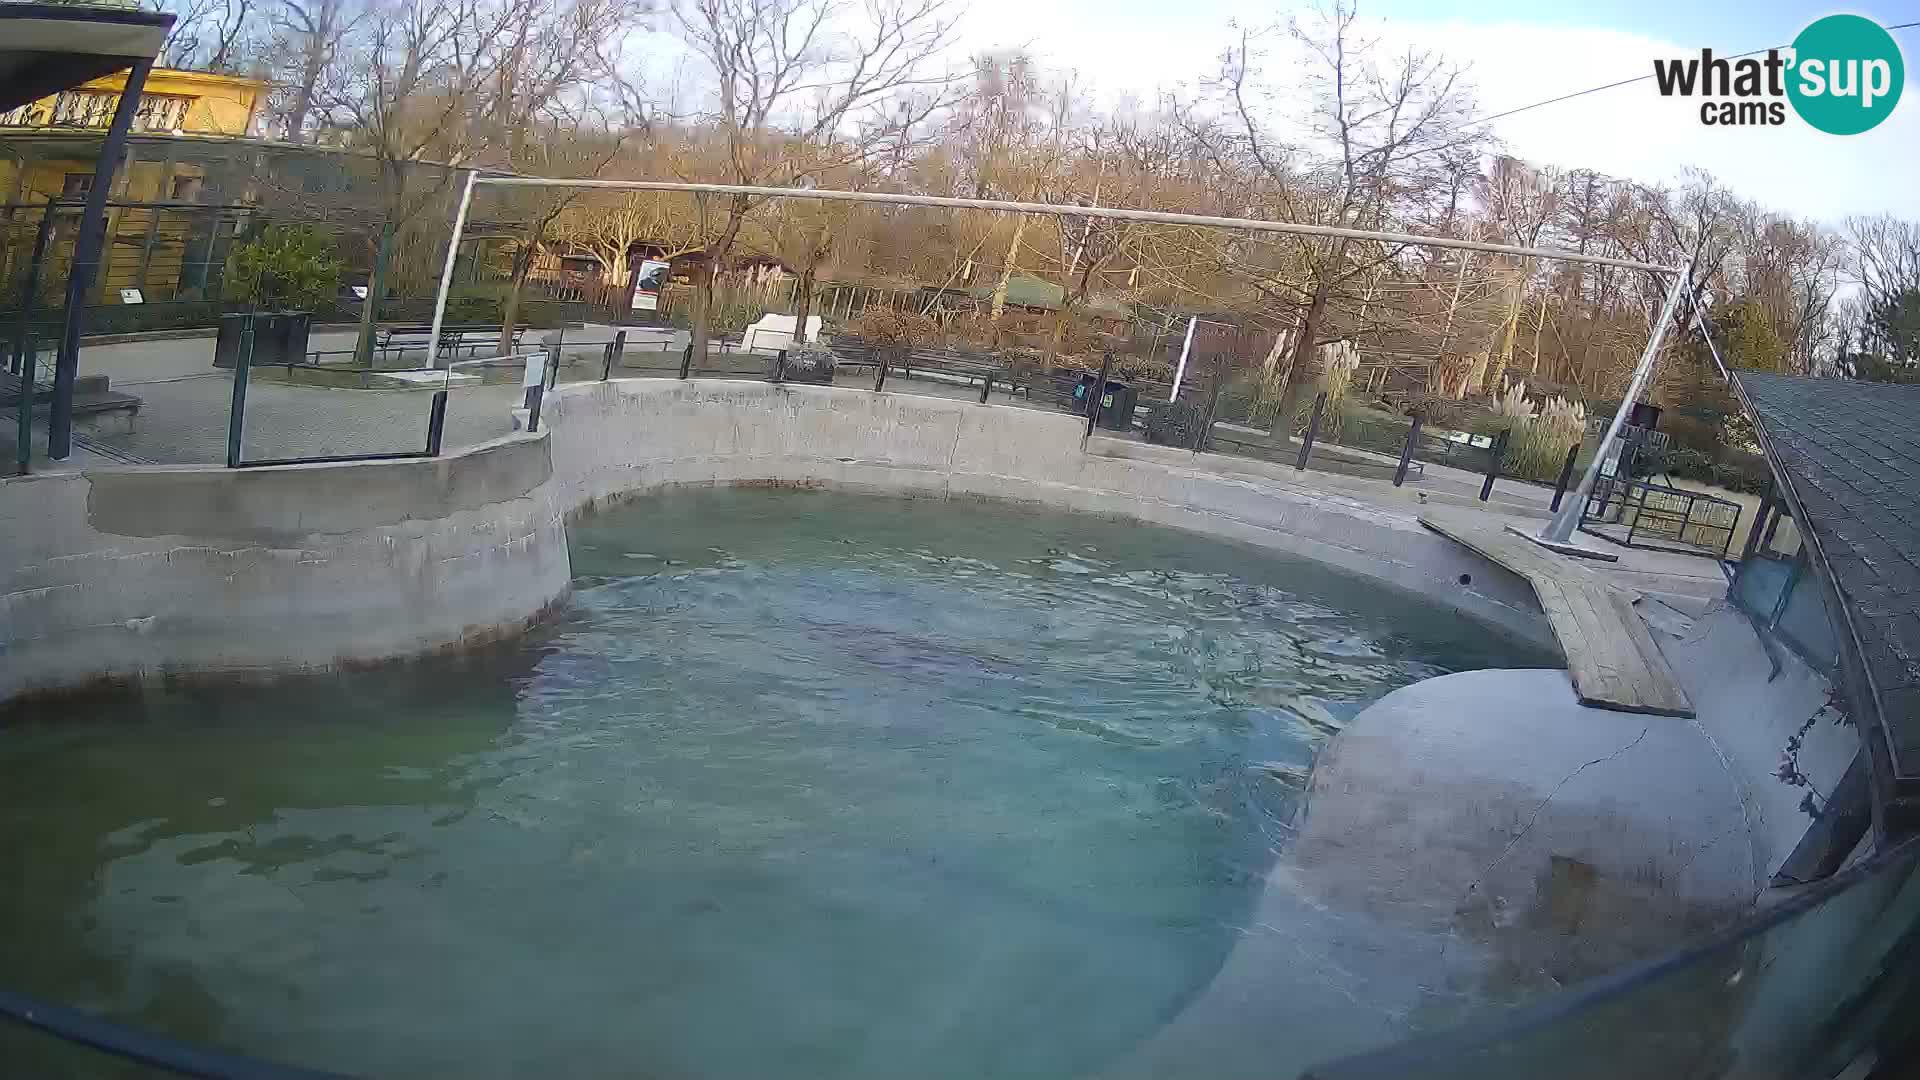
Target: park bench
x: 472, y: 337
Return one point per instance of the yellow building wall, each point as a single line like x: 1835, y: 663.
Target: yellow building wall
x: 223, y: 105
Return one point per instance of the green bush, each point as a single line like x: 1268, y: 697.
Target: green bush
x: 284, y: 268
x: 1176, y: 423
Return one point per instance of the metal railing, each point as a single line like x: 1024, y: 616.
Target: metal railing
x: 1656, y: 517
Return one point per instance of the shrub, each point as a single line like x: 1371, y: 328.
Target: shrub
x: 892, y: 328
x: 283, y: 267
x: 1537, y: 436
x: 1176, y: 423
x: 1338, y: 361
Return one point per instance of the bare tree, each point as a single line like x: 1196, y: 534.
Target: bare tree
x: 304, y: 49
x: 208, y: 35
x: 799, y: 89
x: 1375, y: 116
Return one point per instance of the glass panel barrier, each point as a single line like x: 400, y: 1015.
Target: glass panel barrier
x: 1821, y: 978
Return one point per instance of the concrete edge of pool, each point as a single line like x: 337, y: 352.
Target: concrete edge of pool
x: 150, y: 572
x: 123, y: 575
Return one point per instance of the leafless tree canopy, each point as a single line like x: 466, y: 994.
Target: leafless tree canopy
x: 1308, y: 118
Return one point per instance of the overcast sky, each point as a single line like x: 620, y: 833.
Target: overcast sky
x: 1519, y: 53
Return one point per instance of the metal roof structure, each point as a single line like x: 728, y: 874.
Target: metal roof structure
x: 46, y: 48
x: 1846, y: 458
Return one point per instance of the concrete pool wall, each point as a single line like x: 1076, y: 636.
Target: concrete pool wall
x: 629, y: 437
x: 150, y: 572
x: 147, y: 572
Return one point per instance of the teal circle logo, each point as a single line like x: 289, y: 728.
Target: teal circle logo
x: 1847, y: 74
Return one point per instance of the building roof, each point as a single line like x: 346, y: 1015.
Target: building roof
x: 1850, y: 453
x: 45, y: 48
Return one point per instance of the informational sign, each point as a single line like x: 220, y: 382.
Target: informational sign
x: 652, y: 281
x: 360, y: 291
x: 131, y: 296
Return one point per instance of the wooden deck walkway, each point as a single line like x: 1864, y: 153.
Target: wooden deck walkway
x: 1611, y: 656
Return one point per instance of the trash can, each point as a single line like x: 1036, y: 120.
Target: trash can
x: 1082, y: 390
x: 1117, y: 405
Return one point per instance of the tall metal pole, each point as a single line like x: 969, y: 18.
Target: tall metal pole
x: 1567, y: 518
x: 86, y: 262
x: 1180, y: 369
x: 446, y: 272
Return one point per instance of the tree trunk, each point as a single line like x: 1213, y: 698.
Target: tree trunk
x: 802, y: 304
x: 1060, y: 319
x: 1503, y: 358
x: 703, y: 285
x: 510, y: 306
x: 1299, y: 363
x: 702, y: 304
x: 1006, y: 270
x: 1539, y: 322
x: 370, y: 309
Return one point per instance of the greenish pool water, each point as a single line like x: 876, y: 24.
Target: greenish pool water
x: 798, y: 784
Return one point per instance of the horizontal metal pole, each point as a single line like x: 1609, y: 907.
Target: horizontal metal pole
x: 1057, y: 210
x: 489, y: 360
x: 333, y: 459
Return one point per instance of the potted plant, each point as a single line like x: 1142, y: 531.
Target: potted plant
x: 277, y: 278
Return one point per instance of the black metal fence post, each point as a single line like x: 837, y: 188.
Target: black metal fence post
x: 237, y: 406
x: 616, y: 349
x: 780, y: 366
x: 1494, y: 453
x: 686, y: 359
x: 885, y: 355
x: 23, y: 411
x: 553, y: 364
x: 85, y: 267
x: 986, y: 386
x: 436, y: 422
x: 1099, y: 390
x: 1566, y: 476
x: 1406, y: 451
x: 25, y: 360
x: 1313, y: 430
x: 1203, y: 434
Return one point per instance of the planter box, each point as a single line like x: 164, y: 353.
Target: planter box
x: 279, y: 338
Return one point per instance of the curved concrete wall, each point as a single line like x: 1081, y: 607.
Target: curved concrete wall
x: 144, y: 572
x: 128, y: 573
x: 625, y: 437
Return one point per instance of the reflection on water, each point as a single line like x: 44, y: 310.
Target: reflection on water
x: 801, y: 785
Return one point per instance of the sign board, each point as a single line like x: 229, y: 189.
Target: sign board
x: 360, y: 291
x: 131, y: 296
x: 652, y: 282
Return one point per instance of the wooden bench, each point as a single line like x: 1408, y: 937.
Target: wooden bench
x: 1611, y: 656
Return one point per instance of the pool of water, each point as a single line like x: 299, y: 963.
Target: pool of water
x: 798, y: 784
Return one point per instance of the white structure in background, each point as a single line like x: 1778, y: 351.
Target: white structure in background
x: 775, y: 332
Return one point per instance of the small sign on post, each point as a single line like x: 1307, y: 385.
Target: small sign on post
x: 132, y: 296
